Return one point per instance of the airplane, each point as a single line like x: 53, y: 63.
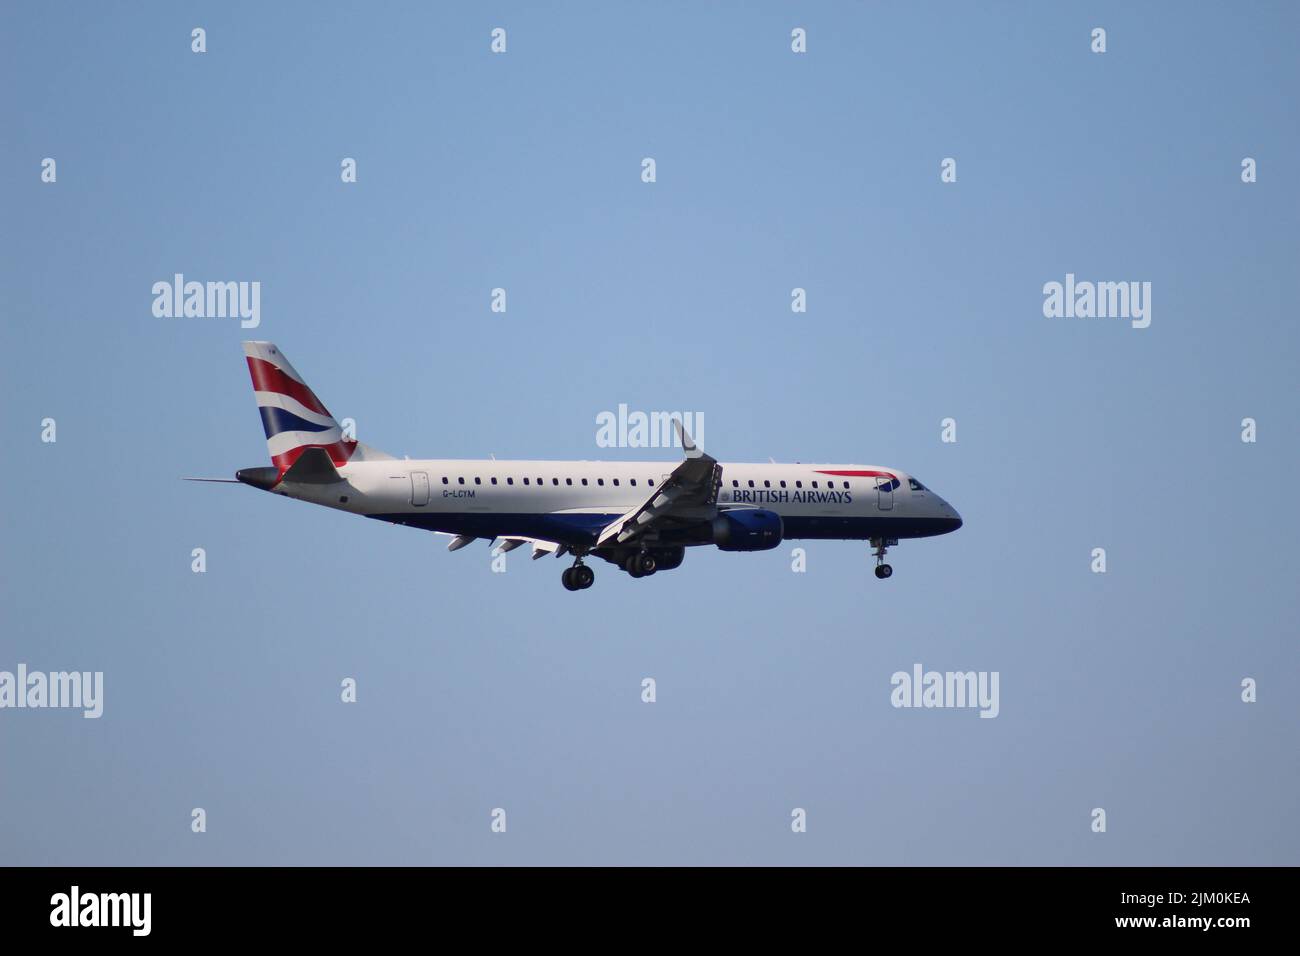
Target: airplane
x: 639, y: 516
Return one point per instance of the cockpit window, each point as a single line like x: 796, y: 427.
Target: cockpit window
x: 915, y: 485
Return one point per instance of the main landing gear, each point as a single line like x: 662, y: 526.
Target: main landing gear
x: 881, y: 545
x: 641, y: 564
x: 578, y: 578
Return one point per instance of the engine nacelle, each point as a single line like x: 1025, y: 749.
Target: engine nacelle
x: 747, y: 529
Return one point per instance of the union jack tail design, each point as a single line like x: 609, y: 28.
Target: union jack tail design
x: 293, y: 417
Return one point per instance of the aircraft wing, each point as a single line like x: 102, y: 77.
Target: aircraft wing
x: 686, y: 497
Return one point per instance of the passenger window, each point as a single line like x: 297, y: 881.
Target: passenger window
x: 651, y: 482
x: 494, y: 479
x: 601, y: 482
x: 814, y: 484
x: 525, y: 481
x: 798, y: 484
x: 751, y: 482
x: 633, y: 482
x: 615, y: 482
x: 510, y: 481
x: 478, y: 480
x: 568, y: 481
x: 555, y: 481
x: 767, y: 484
x: 783, y: 484
x: 460, y: 481
x: 444, y: 479
x: 584, y: 482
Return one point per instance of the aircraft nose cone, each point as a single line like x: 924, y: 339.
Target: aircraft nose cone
x: 951, y: 519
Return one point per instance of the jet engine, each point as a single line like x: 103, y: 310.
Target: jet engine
x: 747, y: 529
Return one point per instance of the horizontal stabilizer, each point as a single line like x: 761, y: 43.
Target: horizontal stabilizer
x: 313, y: 467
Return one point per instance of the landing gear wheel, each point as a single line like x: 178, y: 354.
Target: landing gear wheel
x: 882, y: 545
x: 582, y: 576
x: 567, y: 579
x: 633, y: 565
x: 646, y: 564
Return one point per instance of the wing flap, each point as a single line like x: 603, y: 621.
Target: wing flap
x: 687, y: 496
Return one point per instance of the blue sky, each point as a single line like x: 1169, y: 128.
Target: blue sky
x: 774, y: 171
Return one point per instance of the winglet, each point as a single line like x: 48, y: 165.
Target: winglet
x: 688, y: 444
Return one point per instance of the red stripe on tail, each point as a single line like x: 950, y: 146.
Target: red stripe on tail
x: 268, y: 378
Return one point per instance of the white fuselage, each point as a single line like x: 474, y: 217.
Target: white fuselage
x: 488, y: 497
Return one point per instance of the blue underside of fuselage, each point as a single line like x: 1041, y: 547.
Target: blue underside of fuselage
x: 582, y: 529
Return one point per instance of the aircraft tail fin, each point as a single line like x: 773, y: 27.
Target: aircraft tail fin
x: 293, y: 418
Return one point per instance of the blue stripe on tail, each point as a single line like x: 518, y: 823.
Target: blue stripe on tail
x: 276, y: 420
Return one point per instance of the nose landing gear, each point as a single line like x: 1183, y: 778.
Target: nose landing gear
x: 882, y: 545
x: 578, y: 578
